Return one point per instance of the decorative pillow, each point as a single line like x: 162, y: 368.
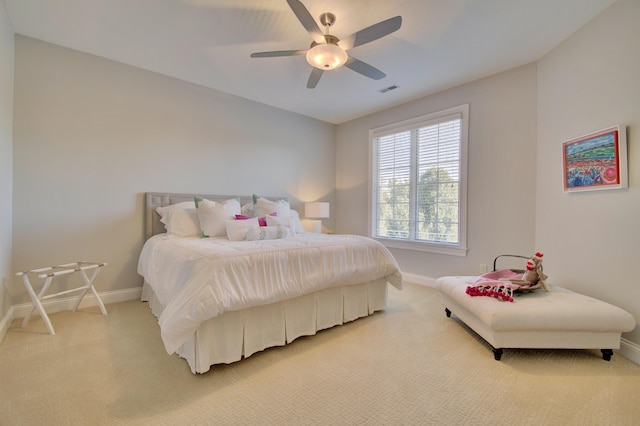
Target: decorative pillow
x: 263, y: 207
x: 268, y: 233
x: 212, y: 215
x: 282, y: 221
x: 262, y: 221
x: 180, y: 219
x: 237, y: 229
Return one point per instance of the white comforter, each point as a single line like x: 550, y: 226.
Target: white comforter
x: 196, y: 279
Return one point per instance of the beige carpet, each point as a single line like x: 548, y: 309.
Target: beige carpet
x: 409, y: 365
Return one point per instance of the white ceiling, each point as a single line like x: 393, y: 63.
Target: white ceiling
x: 441, y: 44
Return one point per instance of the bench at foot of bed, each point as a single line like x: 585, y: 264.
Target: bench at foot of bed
x: 606, y: 354
x: 559, y: 319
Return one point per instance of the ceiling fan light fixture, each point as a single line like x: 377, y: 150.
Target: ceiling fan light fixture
x: 324, y: 53
x: 326, y: 56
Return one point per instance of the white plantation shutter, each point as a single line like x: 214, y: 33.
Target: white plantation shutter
x: 394, y: 170
x: 418, y: 193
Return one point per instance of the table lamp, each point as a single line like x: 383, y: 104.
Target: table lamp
x: 316, y: 210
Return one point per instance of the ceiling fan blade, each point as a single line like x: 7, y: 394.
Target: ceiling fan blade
x: 306, y: 20
x: 364, y: 68
x: 314, y: 78
x: 371, y: 33
x: 277, y: 53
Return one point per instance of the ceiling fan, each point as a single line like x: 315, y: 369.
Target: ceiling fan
x: 328, y: 52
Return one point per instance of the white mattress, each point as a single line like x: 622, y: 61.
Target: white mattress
x: 196, y: 279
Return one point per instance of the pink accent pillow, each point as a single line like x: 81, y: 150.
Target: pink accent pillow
x: 262, y: 221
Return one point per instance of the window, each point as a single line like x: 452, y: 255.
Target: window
x: 418, y: 182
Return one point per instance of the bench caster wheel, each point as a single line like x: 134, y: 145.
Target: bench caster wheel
x: 497, y: 354
x: 447, y: 312
x: 607, y: 354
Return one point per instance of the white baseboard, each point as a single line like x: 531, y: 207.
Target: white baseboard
x: 629, y: 350
x: 5, y: 322
x: 66, y: 303
x: 419, y: 279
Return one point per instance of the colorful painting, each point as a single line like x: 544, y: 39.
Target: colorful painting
x: 596, y: 161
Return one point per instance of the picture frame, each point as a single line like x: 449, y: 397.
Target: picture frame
x: 596, y: 161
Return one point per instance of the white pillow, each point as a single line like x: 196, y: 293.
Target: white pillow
x: 263, y: 207
x: 237, y: 229
x: 282, y: 221
x: 247, y: 209
x: 212, y: 215
x: 297, y: 224
x: 180, y: 219
x: 268, y: 233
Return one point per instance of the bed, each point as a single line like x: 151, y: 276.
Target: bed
x: 220, y: 299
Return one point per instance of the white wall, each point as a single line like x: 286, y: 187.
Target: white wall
x: 6, y: 163
x: 501, y: 190
x: 92, y: 135
x: 591, y: 82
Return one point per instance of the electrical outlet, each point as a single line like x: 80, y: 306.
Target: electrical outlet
x: 483, y: 268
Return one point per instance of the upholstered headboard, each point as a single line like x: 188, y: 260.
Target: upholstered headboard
x: 154, y: 200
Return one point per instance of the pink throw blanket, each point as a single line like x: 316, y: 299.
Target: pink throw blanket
x: 496, y: 284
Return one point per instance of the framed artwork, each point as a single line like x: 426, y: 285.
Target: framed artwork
x: 596, y: 161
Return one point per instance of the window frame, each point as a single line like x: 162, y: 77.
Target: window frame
x: 459, y: 249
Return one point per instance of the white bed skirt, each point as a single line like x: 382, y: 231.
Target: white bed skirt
x: 239, y: 334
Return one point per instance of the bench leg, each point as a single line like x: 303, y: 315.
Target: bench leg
x: 497, y: 354
x: 607, y: 354
x: 447, y: 312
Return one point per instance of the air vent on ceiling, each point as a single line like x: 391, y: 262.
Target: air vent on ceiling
x: 387, y: 89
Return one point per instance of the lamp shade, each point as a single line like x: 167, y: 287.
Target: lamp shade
x: 316, y: 210
x: 326, y: 56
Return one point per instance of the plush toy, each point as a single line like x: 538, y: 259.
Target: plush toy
x: 504, y: 283
x: 533, y: 277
